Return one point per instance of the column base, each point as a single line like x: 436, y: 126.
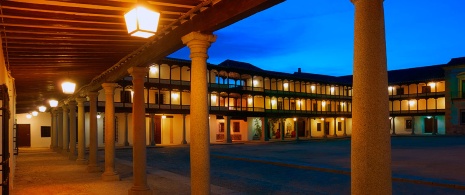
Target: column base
x: 111, y: 176
x: 140, y: 191
x: 184, y: 142
x: 81, y: 161
x: 228, y: 141
x: 93, y: 168
x: 72, y: 157
x: 64, y: 152
x: 345, y: 135
x: 126, y: 144
x: 335, y: 135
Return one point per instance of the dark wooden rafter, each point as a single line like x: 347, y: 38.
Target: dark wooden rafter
x: 46, y: 41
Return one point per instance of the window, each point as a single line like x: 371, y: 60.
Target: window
x: 426, y: 89
x: 400, y: 91
x: 236, y: 127
x: 280, y: 105
x: 408, y: 124
x: 318, y: 127
x: 462, y: 117
x: 221, y: 128
x: 159, y: 98
x: 45, y: 131
x: 125, y: 96
x: 339, y: 126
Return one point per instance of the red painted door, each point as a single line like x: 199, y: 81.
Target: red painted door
x: 24, y: 135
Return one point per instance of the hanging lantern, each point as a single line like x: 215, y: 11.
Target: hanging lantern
x: 142, y: 22
x: 42, y: 108
x: 68, y: 87
x: 53, y: 103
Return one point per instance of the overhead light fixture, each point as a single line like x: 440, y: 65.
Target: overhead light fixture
x: 142, y: 22
x: 295, y: 119
x: 68, y: 87
x: 42, y: 108
x: 153, y: 69
x: 35, y: 113
x: 28, y: 116
x: 53, y: 103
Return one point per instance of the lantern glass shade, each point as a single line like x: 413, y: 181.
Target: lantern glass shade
x: 42, y: 108
x: 142, y: 22
x: 68, y: 87
x: 53, y: 103
x: 35, y: 113
x: 28, y: 116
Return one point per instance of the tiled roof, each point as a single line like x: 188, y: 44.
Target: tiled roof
x: 457, y: 61
x: 419, y: 74
x: 241, y: 65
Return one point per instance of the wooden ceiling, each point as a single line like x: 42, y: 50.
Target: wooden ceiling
x: 45, y: 42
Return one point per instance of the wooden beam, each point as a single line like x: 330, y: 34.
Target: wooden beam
x: 218, y: 16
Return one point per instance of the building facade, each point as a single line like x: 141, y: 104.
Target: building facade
x: 248, y: 103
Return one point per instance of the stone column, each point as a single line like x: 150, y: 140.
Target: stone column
x: 371, y: 144
x: 310, y: 128
x: 54, y: 139
x: 335, y: 122
x: 200, y: 140
x: 72, y: 130
x: 60, y: 129
x: 265, y: 132
x: 227, y: 138
x: 345, y: 128
x: 296, y: 130
x: 413, y: 125
x: 65, y: 129
x: 126, y: 128
x: 139, y: 152
x: 282, y: 128
x: 81, y: 159
x: 93, y: 134
x: 393, y: 125
x: 110, y: 173
x: 183, y: 129
x: 152, y: 129
x: 323, y: 125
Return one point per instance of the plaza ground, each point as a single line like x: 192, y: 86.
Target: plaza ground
x: 420, y: 165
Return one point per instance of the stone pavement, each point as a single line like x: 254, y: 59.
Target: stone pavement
x: 420, y: 165
x: 42, y: 171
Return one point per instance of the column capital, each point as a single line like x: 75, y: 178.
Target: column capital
x: 109, y: 87
x: 138, y: 72
x: 71, y: 104
x: 80, y: 100
x: 198, y: 43
x: 92, y: 94
x: 65, y: 108
x: 355, y: 1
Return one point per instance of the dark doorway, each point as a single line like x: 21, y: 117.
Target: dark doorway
x: 157, y: 134
x: 301, y: 128
x: 326, y: 128
x: 430, y: 125
x: 24, y: 135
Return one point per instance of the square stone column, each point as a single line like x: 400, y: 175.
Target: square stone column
x: 81, y: 159
x: 139, y: 150
x: 93, y: 135
x: 54, y: 138
x: 200, y: 139
x: 371, y: 140
x: 110, y: 173
x: 72, y: 130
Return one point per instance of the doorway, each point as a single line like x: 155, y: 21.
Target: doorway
x: 301, y: 128
x: 430, y: 125
x: 24, y: 135
x: 157, y: 133
x: 326, y: 128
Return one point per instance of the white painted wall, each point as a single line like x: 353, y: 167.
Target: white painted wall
x: 42, y: 119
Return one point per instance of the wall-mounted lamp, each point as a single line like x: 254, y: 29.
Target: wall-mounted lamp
x: 411, y: 102
x: 98, y: 115
x: 342, y: 119
x: 35, y: 113
x: 28, y: 116
x: 295, y: 119
x: 153, y: 69
x: 142, y: 22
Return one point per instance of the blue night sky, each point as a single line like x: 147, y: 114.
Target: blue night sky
x: 317, y: 35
